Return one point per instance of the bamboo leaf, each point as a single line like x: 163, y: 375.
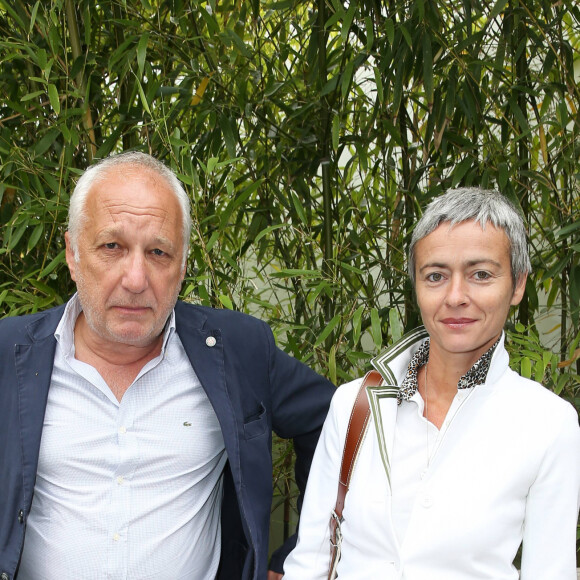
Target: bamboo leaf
x: 395, y: 325
x: 390, y: 30
x: 226, y: 302
x: 142, y: 52
x: 335, y: 132
x: 34, y: 237
x: 327, y: 330
x: 379, y: 85
x: 267, y: 231
x: 298, y: 207
x: 31, y: 96
x: 292, y: 272
x: 57, y: 260
x: 199, y: 92
x: 497, y: 9
x: 356, y: 325
x: 569, y: 229
x: 53, y: 97
x: 43, y: 144
x: 347, y: 78
x: 369, y: 32
x: 428, y: 70
x: 376, y: 331
x: 347, y: 22
x: 210, y: 21
x: 33, y: 16
x: 15, y: 235
x: 526, y: 368
x: 228, y: 133
x: 143, y: 97
x: 332, y: 365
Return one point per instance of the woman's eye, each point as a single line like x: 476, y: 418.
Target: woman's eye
x: 435, y: 277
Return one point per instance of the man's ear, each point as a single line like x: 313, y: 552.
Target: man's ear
x: 70, y: 256
x: 519, y: 289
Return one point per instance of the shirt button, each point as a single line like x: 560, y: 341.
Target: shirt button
x: 122, y: 430
x: 116, y: 537
x: 427, y: 501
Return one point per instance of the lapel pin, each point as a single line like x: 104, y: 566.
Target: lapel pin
x: 210, y: 341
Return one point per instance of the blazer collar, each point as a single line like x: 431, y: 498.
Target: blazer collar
x: 43, y: 325
x: 392, y: 364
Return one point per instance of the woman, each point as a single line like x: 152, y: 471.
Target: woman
x: 464, y: 460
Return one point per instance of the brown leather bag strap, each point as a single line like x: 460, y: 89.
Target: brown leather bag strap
x: 359, y: 418
x: 357, y: 424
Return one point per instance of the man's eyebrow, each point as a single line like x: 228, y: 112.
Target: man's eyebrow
x: 109, y: 232
x: 114, y: 232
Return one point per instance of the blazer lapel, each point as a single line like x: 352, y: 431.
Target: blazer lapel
x: 383, y: 403
x: 205, y: 349
x: 391, y: 363
x: 33, y: 362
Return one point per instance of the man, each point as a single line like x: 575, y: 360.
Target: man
x: 137, y: 428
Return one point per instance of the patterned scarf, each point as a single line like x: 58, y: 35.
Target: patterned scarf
x: 474, y: 376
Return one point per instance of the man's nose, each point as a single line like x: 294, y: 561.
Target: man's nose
x: 135, y: 277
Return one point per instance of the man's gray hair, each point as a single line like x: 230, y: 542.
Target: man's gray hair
x: 483, y: 206
x: 77, y: 207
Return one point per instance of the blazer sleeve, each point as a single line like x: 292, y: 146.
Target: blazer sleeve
x: 549, y: 547
x: 300, y: 400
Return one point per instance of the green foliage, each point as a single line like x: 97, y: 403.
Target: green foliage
x: 309, y: 135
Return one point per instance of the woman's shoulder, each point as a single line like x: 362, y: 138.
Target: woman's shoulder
x: 345, y: 395
x: 534, y: 398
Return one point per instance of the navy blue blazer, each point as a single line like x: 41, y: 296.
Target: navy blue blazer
x: 254, y: 388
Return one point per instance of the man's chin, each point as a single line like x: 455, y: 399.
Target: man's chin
x: 138, y: 337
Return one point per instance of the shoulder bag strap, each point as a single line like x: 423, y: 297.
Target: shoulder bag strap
x: 357, y: 424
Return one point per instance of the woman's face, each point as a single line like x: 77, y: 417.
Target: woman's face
x: 464, y: 288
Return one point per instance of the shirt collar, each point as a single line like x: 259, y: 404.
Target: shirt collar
x: 65, y: 331
x: 476, y: 375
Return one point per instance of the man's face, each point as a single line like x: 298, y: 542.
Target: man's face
x: 464, y: 288
x: 130, y: 256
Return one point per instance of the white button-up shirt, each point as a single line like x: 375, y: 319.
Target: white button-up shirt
x: 416, y: 443
x: 130, y: 489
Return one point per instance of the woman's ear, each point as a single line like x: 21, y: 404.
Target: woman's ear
x: 519, y: 289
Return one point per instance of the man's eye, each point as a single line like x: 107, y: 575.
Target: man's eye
x: 481, y: 275
x: 435, y: 277
x: 158, y: 252
x: 111, y: 245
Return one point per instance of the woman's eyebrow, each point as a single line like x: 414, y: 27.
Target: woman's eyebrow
x: 468, y: 263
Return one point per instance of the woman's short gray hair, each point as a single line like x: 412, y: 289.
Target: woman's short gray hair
x: 483, y: 206
x: 76, y: 211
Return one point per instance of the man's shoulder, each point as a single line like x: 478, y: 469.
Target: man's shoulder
x: 216, y: 317
x: 14, y: 328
